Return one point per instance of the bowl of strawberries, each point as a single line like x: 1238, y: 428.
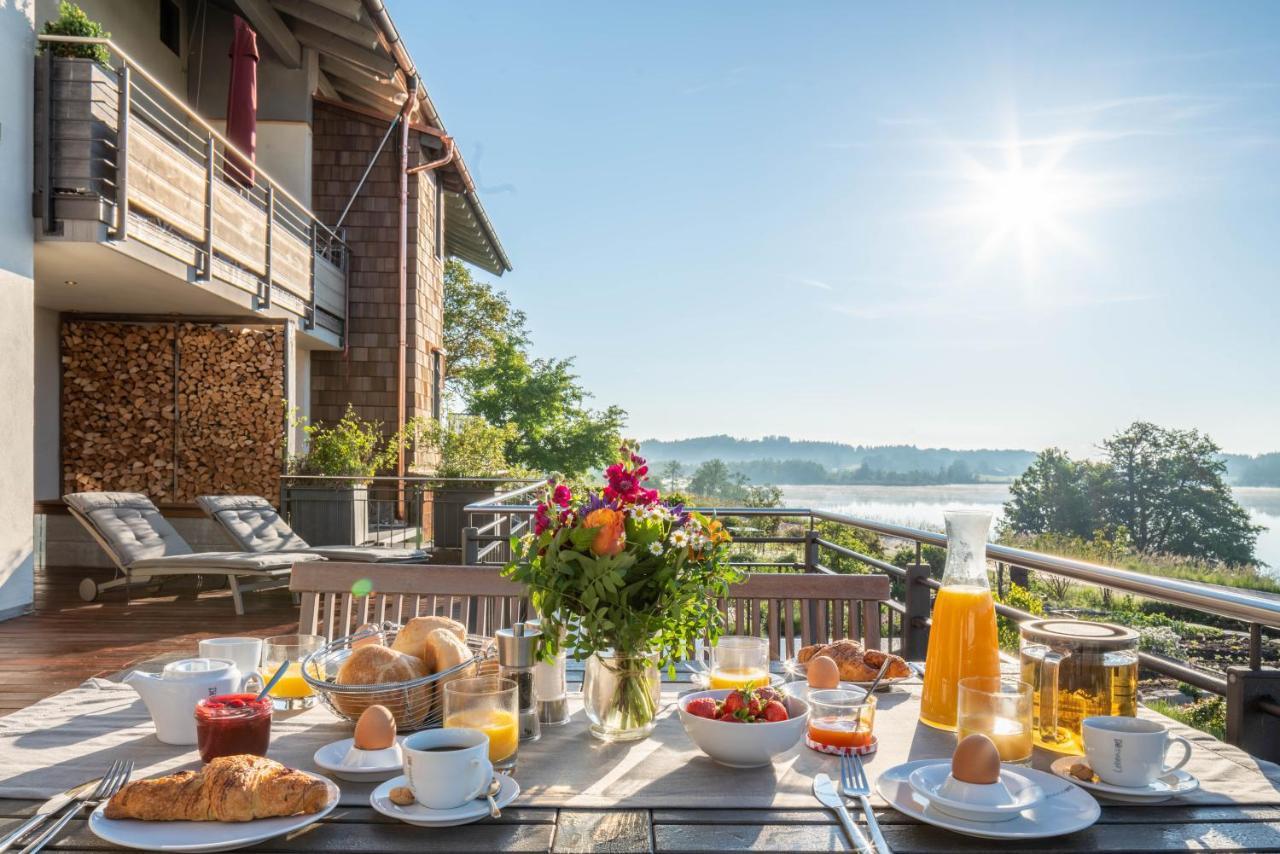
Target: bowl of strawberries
x: 744, y: 728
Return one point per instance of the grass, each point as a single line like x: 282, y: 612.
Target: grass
x: 1207, y: 715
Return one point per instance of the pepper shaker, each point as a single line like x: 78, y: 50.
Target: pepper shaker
x: 516, y: 659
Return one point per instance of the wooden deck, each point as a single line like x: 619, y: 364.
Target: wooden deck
x: 66, y: 640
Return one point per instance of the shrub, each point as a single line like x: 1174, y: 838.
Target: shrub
x: 1161, y: 640
x: 351, y: 448
x: 468, y: 446
x: 72, y: 21
x: 1207, y: 715
x: 1024, y: 600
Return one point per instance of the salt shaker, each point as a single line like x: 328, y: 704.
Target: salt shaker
x: 517, y: 647
x: 551, y: 688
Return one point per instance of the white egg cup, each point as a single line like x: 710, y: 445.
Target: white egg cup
x: 1002, y: 800
x: 346, y: 761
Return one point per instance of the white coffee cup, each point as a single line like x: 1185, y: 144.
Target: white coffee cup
x: 447, y: 767
x: 1130, y: 752
x: 245, y: 652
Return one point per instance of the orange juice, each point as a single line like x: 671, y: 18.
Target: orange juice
x: 1011, y: 738
x: 839, y: 732
x: 291, y: 685
x: 962, y: 643
x: 739, y: 677
x: 499, y: 724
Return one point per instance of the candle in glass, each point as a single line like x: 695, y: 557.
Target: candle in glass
x: 999, y: 709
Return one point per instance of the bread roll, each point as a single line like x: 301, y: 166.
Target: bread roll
x: 412, y: 638
x: 379, y: 665
x: 445, y: 651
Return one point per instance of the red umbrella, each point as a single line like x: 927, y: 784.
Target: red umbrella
x: 242, y: 101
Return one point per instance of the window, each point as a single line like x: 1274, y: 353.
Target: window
x: 439, y: 219
x: 171, y: 25
x: 437, y: 382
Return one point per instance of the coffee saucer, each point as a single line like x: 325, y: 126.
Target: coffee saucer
x: 1162, y: 788
x: 419, y: 815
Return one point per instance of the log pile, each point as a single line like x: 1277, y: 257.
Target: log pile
x: 172, y: 410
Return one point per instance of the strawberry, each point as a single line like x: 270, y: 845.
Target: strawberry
x: 730, y: 719
x: 735, y: 701
x: 766, y: 693
x: 702, y: 707
x: 775, y: 711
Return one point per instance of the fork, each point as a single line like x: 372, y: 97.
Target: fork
x: 853, y: 784
x: 115, y: 777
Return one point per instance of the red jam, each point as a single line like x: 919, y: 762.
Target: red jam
x: 231, y: 724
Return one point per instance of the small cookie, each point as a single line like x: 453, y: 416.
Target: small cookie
x: 401, y: 796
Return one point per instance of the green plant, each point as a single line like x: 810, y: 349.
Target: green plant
x: 1162, y: 640
x: 72, y: 21
x: 1024, y: 600
x: 468, y: 446
x: 353, y: 447
x: 1207, y: 715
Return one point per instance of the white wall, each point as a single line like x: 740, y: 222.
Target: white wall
x: 301, y: 401
x: 48, y: 421
x: 17, y: 310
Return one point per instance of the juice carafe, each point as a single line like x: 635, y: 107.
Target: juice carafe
x: 962, y: 639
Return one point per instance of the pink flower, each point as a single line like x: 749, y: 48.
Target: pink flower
x: 562, y: 496
x: 541, y: 519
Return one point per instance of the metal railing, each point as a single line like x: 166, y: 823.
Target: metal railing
x: 1251, y: 690
x: 192, y: 196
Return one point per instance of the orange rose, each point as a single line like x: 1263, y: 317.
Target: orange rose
x: 611, y: 533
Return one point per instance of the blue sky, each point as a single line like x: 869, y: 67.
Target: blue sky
x: 970, y: 225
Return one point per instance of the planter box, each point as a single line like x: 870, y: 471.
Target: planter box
x: 447, y: 518
x: 329, y: 515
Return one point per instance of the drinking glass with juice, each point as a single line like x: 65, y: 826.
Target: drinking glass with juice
x: 292, y: 691
x: 840, y: 719
x: 739, y: 661
x: 489, y: 704
x: 962, y: 639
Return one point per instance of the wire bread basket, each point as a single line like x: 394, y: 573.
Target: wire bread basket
x: 415, y: 704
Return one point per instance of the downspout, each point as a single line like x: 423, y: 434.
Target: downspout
x: 402, y: 341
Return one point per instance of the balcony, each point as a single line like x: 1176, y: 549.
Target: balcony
x: 123, y: 164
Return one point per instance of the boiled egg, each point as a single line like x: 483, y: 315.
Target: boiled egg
x: 976, y: 760
x: 376, y: 729
x: 823, y: 672
x: 368, y: 635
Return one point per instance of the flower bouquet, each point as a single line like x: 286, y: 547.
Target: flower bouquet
x: 629, y: 582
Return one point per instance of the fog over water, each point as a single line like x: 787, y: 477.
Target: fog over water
x: 923, y: 506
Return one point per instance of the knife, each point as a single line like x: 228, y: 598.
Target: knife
x: 47, y: 809
x: 829, y: 796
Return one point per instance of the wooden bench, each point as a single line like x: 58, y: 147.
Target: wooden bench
x: 797, y: 609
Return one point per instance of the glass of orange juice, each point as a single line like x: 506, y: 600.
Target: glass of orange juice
x: 841, y: 718
x: 292, y: 691
x: 999, y: 708
x: 739, y: 661
x: 489, y: 704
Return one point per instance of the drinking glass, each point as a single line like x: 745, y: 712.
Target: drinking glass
x: 739, y: 661
x: 841, y: 718
x: 999, y: 708
x: 489, y: 704
x: 292, y: 691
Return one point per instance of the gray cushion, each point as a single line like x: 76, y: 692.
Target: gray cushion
x: 239, y: 561
x: 129, y: 524
x: 369, y: 554
x: 252, y: 523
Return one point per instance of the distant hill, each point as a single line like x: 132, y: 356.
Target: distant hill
x: 778, y: 456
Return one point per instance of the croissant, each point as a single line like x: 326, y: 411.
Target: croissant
x: 229, y: 788
x: 856, y: 663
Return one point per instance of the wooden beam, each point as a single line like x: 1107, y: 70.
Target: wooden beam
x: 324, y: 87
x: 352, y: 31
x: 326, y: 42
x: 352, y: 9
x: 336, y: 67
x: 273, y: 30
x: 385, y: 107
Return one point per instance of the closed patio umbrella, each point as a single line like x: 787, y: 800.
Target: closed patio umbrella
x: 242, y: 101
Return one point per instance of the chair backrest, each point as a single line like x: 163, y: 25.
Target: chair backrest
x: 252, y: 523
x: 794, y: 610
x: 127, y: 525
x: 335, y: 602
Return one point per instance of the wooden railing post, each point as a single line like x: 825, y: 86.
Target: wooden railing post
x: 123, y: 108
x: 211, y: 160
x: 915, y: 628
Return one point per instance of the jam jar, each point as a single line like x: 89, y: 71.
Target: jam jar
x: 230, y: 724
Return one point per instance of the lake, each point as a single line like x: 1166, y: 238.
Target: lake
x: 922, y: 506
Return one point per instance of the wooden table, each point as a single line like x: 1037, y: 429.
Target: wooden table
x: 1121, y: 828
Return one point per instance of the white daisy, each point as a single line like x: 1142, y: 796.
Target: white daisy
x: 679, y: 539
x: 655, y: 549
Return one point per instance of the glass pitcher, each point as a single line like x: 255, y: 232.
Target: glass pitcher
x: 962, y: 639
x: 1076, y: 669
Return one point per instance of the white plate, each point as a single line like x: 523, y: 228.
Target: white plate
x: 1022, y: 793
x: 1065, y: 808
x: 1161, y: 789
x: 419, y: 815
x: 330, y: 759
x: 201, y: 835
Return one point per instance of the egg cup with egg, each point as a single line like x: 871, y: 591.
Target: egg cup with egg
x: 975, y: 786
x: 372, y: 754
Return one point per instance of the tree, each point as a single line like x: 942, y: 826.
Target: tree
x: 713, y: 479
x: 1169, y: 489
x: 542, y: 401
x: 671, y: 473
x: 1052, y: 496
x: 477, y: 319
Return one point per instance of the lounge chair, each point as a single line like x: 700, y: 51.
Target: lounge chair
x: 255, y: 526
x: 144, y: 546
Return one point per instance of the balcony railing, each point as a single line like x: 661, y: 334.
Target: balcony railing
x: 1252, y: 691
x: 116, y: 146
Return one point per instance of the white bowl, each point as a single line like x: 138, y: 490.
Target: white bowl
x: 1002, y: 800
x: 744, y: 745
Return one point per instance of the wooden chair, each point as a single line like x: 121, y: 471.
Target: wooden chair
x: 824, y: 607
x: 334, y: 603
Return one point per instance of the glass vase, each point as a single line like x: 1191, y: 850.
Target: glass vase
x: 620, y: 695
